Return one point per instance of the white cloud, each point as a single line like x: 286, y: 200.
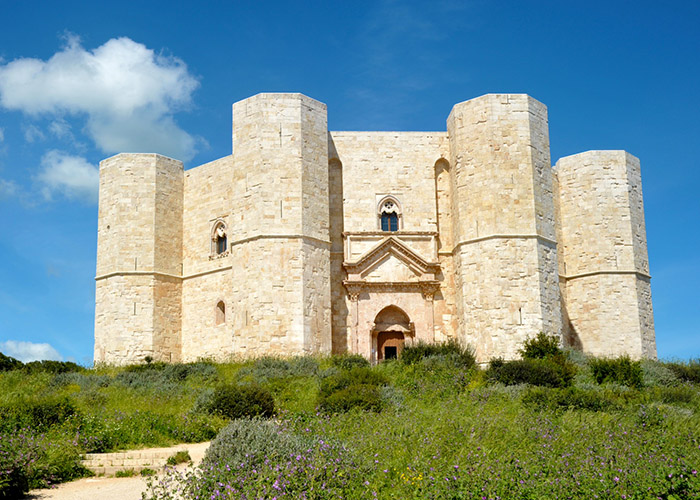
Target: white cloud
x: 7, y: 189
x: 29, y: 351
x: 127, y: 91
x: 60, y: 128
x: 73, y: 176
x: 2, y: 134
x: 32, y: 133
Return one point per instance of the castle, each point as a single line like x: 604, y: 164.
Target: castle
x: 310, y: 241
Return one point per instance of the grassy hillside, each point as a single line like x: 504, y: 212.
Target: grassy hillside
x: 432, y: 425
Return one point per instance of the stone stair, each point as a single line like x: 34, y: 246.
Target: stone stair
x: 108, y: 464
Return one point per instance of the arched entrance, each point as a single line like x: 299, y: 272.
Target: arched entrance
x: 391, y: 328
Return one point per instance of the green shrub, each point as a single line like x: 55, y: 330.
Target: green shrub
x: 145, y: 367
x: 28, y: 460
x: 569, y: 398
x: 233, y: 401
x: 165, y: 374
x: 253, y: 441
x: 682, y: 394
x: 650, y: 417
x: 178, y: 372
x: 687, y: 372
x: 358, y: 387
x: 540, y: 372
x: 125, y: 473
x: 8, y: 363
x: 362, y: 396
x: 86, y: 381
x: 391, y: 397
x: 621, y: 370
x: 148, y: 472
x: 355, y: 376
x: 655, y: 373
x: 49, y: 366
x: 48, y: 413
x: 576, y: 357
x: 541, y: 347
x: 269, y: 368
x: 180, y: 457
x: 204, y: 401
x: 38, y: 415
x: 18, y: 452
x: 349, y: 361
x: 413, y: 354
x: 151, y: 378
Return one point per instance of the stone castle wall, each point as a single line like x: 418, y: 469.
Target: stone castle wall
x: 370, y: 166
x: 493, y: 246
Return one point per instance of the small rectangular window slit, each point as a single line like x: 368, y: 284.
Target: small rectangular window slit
x: 134, y: 308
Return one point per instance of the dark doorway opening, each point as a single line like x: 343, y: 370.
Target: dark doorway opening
x: 389, y: 345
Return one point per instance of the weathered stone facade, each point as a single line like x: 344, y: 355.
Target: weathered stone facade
x: 305, y: 241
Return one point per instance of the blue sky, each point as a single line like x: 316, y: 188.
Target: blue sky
x: 82, y: 81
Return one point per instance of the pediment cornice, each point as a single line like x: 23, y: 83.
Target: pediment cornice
x: 394, y: 247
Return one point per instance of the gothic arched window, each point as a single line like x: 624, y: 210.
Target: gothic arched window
x: 389, y: 214
x: 219, y: 242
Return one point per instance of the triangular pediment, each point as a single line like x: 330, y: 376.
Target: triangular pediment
x: 390, y: 268
x: 391, y: 253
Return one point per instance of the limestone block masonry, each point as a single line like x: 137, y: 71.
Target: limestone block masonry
x: 309, y: 241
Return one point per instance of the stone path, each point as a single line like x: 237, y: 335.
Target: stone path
x: 111, y: 488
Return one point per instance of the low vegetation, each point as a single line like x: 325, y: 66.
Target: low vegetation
x: 180, y: 457
x: 432, y: 424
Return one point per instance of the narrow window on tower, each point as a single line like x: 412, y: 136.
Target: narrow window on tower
x: 220, y: 313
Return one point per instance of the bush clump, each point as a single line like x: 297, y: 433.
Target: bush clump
x: 539, y: 372
x: 620, y: 370
x: 8, y: 363
x: 50, y: 366
x: 415, y: 353
x: 170, y: 372
x: 271, y: 368
x: 29, y: 460
x: 361, y: 396
x: 252, y: 441
x: 38, y: 415
x: 543, y: 346
x: 240, y: 401
x: 359, y: 387
x: 569, y: 398
x: 179, y: 457
x: 687, y: 372
x: 656, y: 374
x: 349, y: 361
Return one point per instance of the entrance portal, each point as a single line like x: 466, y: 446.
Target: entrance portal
x: 391, y: 328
